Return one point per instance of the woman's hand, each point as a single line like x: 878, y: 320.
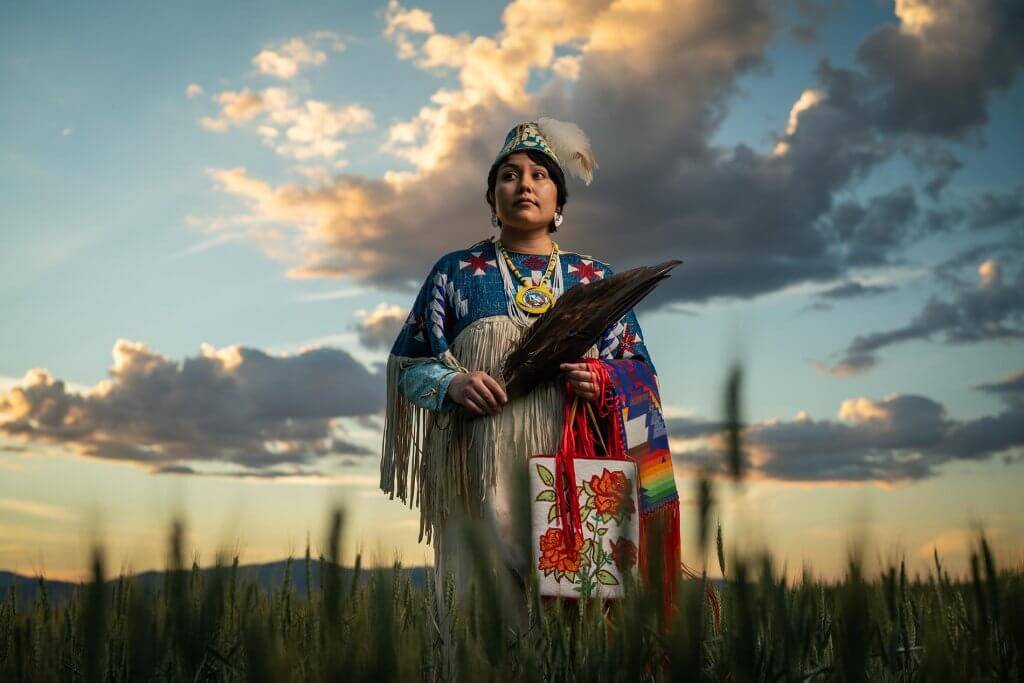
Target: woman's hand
x: 582, y: 380
x: 477, y: 392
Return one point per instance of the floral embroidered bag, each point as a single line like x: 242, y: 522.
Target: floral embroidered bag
x: 585, y: 537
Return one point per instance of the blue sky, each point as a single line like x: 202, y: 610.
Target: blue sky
x: 116, y: 225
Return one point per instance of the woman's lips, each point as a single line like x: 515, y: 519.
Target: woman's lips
x: 525, y: 202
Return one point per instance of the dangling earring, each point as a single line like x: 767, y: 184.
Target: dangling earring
x: 558, y: 219
x: 495, y: 221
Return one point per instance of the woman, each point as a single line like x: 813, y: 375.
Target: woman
x: 452, y: 437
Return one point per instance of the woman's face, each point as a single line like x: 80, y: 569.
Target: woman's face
x: 525, y: 196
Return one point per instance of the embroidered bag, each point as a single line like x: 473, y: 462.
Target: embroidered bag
x: 585, y: 538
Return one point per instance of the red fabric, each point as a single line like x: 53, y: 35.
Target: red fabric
x: 578, y: 441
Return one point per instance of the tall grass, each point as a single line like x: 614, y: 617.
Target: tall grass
x: 377, y: 625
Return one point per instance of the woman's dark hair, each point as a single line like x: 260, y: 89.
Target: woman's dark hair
x: 554, y: 171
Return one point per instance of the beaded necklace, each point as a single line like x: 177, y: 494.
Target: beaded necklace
x: 532, y: 298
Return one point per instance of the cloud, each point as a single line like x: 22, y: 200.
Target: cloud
x: 235, y: 405
x: 869, y: 234
x: 651, y: 93
x: 853, y: 289
x: 378, y: 329
x: 998, y: 209
x: 935, y: 72
x: 899, y: 438
x: 310, y: 129
x: 193, y: 90
x: 53, y: 513
x: 990, y: 310
x: 288, y: 57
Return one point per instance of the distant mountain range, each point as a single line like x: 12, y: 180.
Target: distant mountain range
x: 269, y: 576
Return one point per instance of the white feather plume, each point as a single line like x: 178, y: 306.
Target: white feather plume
x: 570, y: 145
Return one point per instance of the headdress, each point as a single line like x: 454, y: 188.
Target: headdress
x: 563, y: 141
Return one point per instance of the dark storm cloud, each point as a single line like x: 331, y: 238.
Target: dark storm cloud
x: 651, y: 93
x: 379, y: 328
x: 1011, y: 387
x: 854, y: 290
x: 689, y: 428
x: 991, y: 310
x: 845, y: 291
x: 936, y: 72
x: 237, y: 405
x: 998, y: 209
x: 899, y: 438
x: 871, y: 233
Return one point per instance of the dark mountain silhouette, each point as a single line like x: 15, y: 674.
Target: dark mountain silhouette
x: 268, y: 576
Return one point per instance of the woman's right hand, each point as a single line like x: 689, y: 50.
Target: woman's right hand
x: 477, y: 392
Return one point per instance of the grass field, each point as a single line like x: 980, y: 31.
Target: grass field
x: 211, y: 626
x: 377, y: 625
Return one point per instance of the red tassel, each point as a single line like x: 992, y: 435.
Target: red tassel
x: 669, y: 554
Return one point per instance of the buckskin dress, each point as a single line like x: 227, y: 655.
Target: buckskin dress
x: 435, y: 455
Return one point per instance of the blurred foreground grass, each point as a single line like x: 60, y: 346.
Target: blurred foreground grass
x: 377, y: 625
x: 212, y: 626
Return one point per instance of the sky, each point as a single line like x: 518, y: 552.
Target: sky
x: 215, y: 217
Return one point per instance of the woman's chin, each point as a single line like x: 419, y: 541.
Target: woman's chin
x: 524, y: 223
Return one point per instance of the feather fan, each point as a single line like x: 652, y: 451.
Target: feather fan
x: 570, y: 145
x: 574, y: 323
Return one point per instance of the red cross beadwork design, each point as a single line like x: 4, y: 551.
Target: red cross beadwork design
x: 586, y: 271
x: 419, y: 326
x: 534, y: 262
x: 628, y: 342
x: 478, y: 263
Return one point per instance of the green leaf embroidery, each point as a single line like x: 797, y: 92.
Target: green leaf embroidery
x: 553, y: 512
x: 588, y: 488
x: 546, y: 496
x: 545, y: 475
x: 607, y: 578
x: 602, y: 531
x: 590, y: 526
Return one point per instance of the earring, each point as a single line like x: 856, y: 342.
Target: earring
x: 495, y: 221
x: 558, y: 219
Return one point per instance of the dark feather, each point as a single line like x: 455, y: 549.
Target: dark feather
x: 575, y: 323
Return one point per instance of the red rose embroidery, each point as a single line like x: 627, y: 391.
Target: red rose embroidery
x: 624, y: 553
x: 554, y: 555
x: 612, y: 495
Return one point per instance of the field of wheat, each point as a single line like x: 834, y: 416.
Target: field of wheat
x: 358, y: 624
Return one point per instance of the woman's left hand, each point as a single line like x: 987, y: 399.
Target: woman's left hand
x: 582, y: 380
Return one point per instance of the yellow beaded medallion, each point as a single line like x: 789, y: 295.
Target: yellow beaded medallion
x: 536, y: 299
x: 533, y: 298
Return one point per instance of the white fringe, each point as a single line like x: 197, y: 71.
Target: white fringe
x: 435, y: 459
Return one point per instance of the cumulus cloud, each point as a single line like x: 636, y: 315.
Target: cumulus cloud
x: 310, y: 129
x: 990, y: 310
x: 287, y: 58
x: 651, y: 93
x: 237, y: 406
x: 935, y: 71
x: 378, y: 329
x: 193, y: 90
x: 899, y: 438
